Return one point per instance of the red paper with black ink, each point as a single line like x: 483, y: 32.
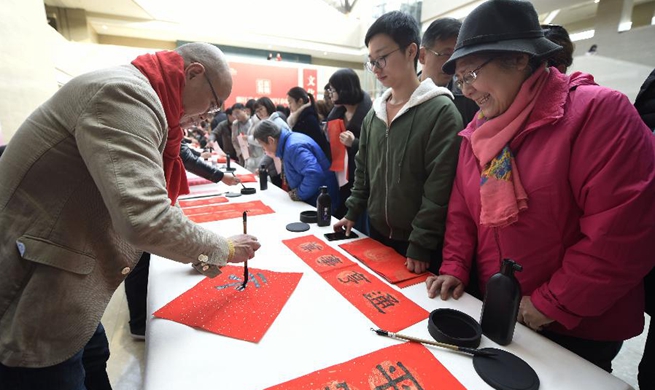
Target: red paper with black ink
x: 226, y: 211
x: 406, y: 366
x: 385, y: 261
x: 384, y: 306
x: 217, y: 306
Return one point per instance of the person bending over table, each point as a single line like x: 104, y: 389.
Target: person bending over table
x: 96, y: 191
x: 579, y: 216
x: 304, y: 164
x: 407, y: 149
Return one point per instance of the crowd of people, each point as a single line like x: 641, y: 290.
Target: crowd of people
x: 430, y: 168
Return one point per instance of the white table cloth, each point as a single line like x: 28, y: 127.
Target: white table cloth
x: 317, y: 327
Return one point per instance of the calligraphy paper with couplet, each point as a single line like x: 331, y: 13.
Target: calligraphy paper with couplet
x: 211, y: 213
x: 216, y: 305
x: 407, y: 366
x: 384, y: 261
x: 383, y: 305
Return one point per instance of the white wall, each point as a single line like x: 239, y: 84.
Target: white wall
x: 626, y: 77
x: 27, y: 74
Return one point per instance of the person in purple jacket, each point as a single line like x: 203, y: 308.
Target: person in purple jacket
x: 556, y: 173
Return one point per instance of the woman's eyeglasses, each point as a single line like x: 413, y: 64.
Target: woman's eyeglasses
x: 470, y: 77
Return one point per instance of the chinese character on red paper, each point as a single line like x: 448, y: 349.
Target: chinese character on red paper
x: 381, y: 301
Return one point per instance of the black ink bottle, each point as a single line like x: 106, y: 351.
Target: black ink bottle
x: 323, y: 207
x: 501, y: 304
x: 263, y: 178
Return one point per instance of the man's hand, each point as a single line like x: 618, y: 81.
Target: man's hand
x: 531, y: 316
x: 230, y: 180
x: 245, y: 246
x: 442, y: 285
x: 206, y: 155
x: 344, y: 224
x: 416, y: 266
x: 347, y: 138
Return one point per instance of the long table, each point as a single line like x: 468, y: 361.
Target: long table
x: 317, y: 328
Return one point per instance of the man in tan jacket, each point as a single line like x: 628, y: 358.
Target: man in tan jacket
x: 86, y: 185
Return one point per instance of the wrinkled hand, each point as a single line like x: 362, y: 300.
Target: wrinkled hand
x: 416, y: 266
x: 230, y: 180
x: 442, y: 285
x: 344, y: 224
x: 347, y: 138
x: 531, y: 316
x: 245, y: 246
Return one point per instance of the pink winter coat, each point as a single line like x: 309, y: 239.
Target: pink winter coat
x: 587, y: 239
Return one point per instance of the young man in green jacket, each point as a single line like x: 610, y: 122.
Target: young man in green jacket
x: 408, y: 149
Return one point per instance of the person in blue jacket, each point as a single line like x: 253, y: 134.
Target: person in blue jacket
x: 305, y: 166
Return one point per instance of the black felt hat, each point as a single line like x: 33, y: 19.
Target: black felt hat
x: 501, y: 26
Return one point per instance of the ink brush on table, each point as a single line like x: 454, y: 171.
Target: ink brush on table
x: 245, y: 263
x: 472, y: 351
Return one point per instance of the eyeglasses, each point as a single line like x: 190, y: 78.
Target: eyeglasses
x: 470, y: 77
x: 216, y: 104
x: 329, y: 90
x: 438, y: 54
x: 380, y: 63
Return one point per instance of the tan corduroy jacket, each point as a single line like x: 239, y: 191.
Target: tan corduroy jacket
x: 82, y: 193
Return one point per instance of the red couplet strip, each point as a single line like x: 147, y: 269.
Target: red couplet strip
x: 384, y: 306
x: 217, y: 306
x: 196, y: 181
x: 226, y: 211
x: 404, y: 366
x: 384, y: 260
x: 203, y: 201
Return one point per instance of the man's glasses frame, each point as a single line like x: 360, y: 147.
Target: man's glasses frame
x: 380, y: 63
x: 216, y: 104
x: 437, y: 53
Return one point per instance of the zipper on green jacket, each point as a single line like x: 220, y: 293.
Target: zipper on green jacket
x: 386, y: 185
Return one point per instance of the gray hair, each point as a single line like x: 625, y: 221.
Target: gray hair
x: 266, y: 128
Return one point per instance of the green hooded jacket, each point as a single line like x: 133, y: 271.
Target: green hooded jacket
x: 405, y: 171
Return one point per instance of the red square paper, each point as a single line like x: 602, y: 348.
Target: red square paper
x: 406, y: 366
x: 217, y: 306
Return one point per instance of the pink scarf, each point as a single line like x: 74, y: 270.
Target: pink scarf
x: 502, y: 195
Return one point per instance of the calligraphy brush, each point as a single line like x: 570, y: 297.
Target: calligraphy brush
x: 245, y: 263
x: 472, y: 351
x: 244, y: 213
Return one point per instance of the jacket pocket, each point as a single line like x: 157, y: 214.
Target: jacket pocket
x: 46, y: 252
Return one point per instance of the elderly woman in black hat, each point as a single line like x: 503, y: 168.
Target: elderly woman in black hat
x: 556, y: 173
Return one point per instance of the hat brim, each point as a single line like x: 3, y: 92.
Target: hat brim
x: 540, y: 47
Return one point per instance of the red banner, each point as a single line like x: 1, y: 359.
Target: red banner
x: 252, y: 81
x: 228, y: 211
x: 384, y: 306
x: 310, y: 81
x: 404, y: 366
x: 385, y: 261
